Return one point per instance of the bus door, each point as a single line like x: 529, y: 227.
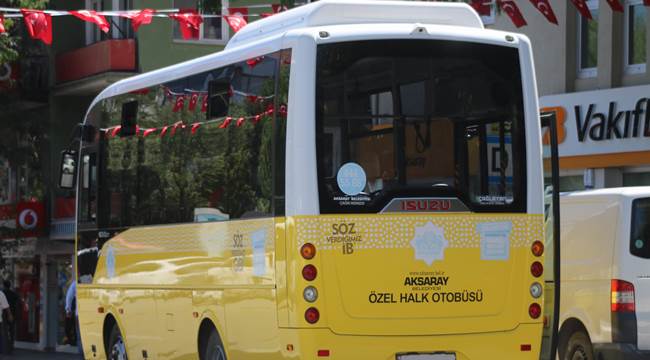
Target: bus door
x: 552, y: 237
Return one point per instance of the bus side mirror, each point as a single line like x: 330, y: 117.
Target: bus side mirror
x: 68, y: 169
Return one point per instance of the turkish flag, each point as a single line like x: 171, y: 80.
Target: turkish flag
x: 204, y: 104
x: 545, y: 8
x: 278, y: 8
x: 615, y: 5
x: 265, y: 15
x: 2, y: 24
x: 482, y: 7
x: 148, y: 132
x: 30, y: 218
x: 236, y: 22
x: 582, y: 7
x: 513, y: 12
x: 239, y: 11
x: 646, y: 2
x: 225, y: 123
x: 193, y: 100
x: 179, y: 104
x: 189, y: 22
x: 93, y: 17
x: 240, y: 121
x: 195, y: 127
x: 139, y: 17
x: 254, y: 61
x: 39, y: 25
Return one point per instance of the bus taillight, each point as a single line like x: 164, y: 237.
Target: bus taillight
x: 534, y: 310
x: 538, y: 248
x: 537, y: 269
x: 309, y: 272
x: 308, y: 251
x: 312, y: 315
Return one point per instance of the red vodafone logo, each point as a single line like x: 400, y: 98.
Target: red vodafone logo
x: 28, y: 219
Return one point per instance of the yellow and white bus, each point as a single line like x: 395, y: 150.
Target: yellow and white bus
x: 346, y: 180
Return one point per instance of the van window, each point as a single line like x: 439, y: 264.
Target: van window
x: 640, y: 236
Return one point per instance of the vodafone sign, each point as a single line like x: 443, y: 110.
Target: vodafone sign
x: 602, y: 121
x: 27, y: 217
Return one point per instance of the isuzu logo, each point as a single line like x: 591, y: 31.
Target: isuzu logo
x: 424, y: 205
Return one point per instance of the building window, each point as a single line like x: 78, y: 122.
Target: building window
x: 636, y: 179
x: 213, y: 29
x: 588, y: 42
x: 635, y: 37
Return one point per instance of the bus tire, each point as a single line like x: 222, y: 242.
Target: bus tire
x: 214, y: 349
x: 116, y: 347
x: 579, y: 347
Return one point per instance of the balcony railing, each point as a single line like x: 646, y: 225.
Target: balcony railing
x: 115, y: 55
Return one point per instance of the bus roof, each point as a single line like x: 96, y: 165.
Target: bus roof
x: 340, y: 12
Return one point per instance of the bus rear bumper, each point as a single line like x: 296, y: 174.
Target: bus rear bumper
x: 521, y: 343
x: 619, y: 352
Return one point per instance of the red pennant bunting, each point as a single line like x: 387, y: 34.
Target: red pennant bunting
x: 204, y: 105
x: 482, y: 7
x: 615, y: 5
x: 257, y: 118
x: 545, y: 8
x: 231, y: 91
x: 253, y: 62
x: 164, y: 131
x: 513, y: 12
x: 278, y: 8
x: 195, y: 127
x: 265, y: 15
x: 92, y: 16
x: 225, y: 123
x: 189, y: 22
x: 177, y: 125
x: 646, y: 2
x: 2, y: 24
x: 239, y: 11
x: 179, y: 104
x: 581, y: 5
x: 116, y: 130
x: 149, y: 132
x: 252, y: 98
x: 139, y: 17
x: 193, y: 100
x: 283, y: 110
x: 39, y: 25
x: 240, y: 122
x: 236, y: 22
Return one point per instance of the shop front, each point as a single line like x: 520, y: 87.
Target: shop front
x: 604, y: 137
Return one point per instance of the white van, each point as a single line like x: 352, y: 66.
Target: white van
x: 605, y: 294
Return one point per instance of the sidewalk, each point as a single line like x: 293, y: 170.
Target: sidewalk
x: 38, y: 355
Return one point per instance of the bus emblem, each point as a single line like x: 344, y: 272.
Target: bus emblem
x: 429, y: 243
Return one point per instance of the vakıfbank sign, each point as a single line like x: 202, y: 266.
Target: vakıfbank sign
x: 602, y: 121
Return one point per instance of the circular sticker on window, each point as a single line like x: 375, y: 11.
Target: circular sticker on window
x: 638, y: 244
x: 351, y: 179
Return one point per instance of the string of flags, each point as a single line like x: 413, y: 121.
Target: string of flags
x: 171, y: 130
x: 39, y: 22
x: 510, y: 7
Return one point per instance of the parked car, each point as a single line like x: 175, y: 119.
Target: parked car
x: 605, y: 269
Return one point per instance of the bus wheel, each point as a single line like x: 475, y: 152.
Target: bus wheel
x: 116, y: 347
x: 214, y: 348
x: 579, y: 347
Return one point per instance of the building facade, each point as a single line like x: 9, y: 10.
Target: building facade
x: 594, y: 75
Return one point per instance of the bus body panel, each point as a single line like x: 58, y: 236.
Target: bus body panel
x: 376, y: 277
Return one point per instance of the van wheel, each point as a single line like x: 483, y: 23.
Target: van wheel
x: 214, y: 348
x: 579, y: 347
x: 116, y: 347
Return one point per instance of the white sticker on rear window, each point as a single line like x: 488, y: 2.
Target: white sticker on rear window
x: 351, y: 179
x: 258, y: 242
x: 429, y: 243
x: 495, y: 240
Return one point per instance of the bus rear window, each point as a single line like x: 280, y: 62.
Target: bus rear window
x: 640, y: 236
x: 419, y: 119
